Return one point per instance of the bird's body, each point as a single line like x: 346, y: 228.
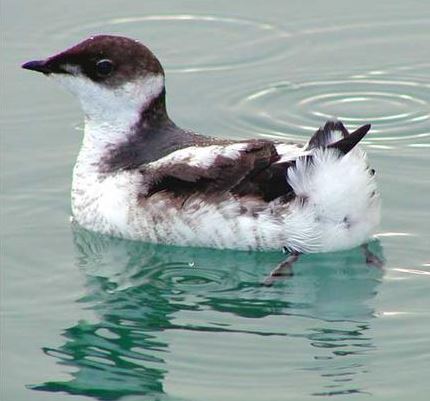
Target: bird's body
x: 333, y: 207
x: 139, y: 176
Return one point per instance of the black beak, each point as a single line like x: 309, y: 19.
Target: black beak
x: 38, y: 65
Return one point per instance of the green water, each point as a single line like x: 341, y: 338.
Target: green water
x: 87, y: 317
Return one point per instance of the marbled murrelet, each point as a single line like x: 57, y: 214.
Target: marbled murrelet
x: 139, y: 176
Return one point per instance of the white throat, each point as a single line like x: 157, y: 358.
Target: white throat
x: 110, y: 113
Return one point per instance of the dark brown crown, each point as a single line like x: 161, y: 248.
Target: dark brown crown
x: 129, y: 60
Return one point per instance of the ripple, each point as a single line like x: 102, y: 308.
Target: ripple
x: 324, y: 83
x: 394, y: 234
x: 224, y: 42
x: 189, y: 278
x: 412, y: 271
x: 399, y: 110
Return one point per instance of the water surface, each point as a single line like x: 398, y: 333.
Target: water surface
x: 88, y: 317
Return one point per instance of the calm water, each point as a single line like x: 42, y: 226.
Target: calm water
x: 87, y: 317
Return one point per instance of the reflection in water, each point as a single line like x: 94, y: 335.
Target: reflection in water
x: 140, y: 292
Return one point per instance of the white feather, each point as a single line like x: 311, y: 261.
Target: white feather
x: 200, y: 156
x: 288, y: 152
x: 341, y: 194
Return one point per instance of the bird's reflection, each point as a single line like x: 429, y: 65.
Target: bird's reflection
x: 140, y: 291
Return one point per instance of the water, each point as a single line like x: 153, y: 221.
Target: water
x: 88, y: 317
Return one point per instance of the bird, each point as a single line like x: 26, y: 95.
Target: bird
x: 139, y: 176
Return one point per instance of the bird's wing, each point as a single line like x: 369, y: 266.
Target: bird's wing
x: 236, y: 167
x: 246, y: 168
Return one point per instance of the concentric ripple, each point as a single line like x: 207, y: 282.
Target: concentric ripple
x: 189, y: 278
x: 228, y: 42
x: 398, y: 109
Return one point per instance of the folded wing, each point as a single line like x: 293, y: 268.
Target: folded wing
x: 256, y: 168
x: 240, y: 168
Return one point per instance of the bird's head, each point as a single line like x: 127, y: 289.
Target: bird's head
x: 115, y: 78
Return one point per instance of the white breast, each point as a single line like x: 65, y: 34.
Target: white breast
x: 102, y: 202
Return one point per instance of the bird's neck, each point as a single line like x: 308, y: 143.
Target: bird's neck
x: 104, y: 133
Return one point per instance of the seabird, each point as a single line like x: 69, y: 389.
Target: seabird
x: 139, y: 176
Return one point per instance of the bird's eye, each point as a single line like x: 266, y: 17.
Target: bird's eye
x: 104, y: 67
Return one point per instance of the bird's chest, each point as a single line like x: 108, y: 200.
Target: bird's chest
x: 102, y: 202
